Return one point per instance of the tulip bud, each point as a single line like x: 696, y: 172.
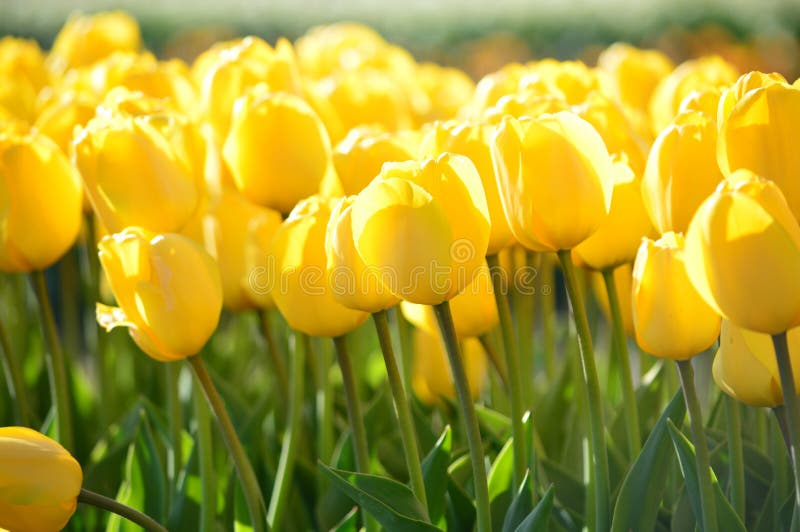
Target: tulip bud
x: 168, y: 290
x: 431, y: 378
x: 40, y: 203
x: 743, y: 254
x: 23, y: 73
x: 530, y: 104
x: 670, y: 317
x: 555, y: 178
x: 40, y: 482
x: 358, y: 158
x: 447, y: 89
x: 492, y: 87
x: 572, y: 80
x: 633, y: 73
x: 324, y: 50
x: 59, y: 116
x: 746, y: 83
x: 84, y: 40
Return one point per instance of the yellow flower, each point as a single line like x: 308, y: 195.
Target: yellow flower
x: 572, y: 80
x: 431, y: 378
x: 555, y: 178
x: 619, y: 235
x: 623, y: 282
x: 681, y: 171
x: 60, y: 114
x: 633, y: 73
x: 670, y: 317
x: 23, y: 73
x: 39, y: 482
x: 302, y: 290
x: 492, y: 87
x: 746, y: 83
x: 277, y: 150
x: 85, y: 39
x: 530, y: 104
x: 447, y: 91
x: 358, y: 158
x: 40, y: 202
x: 168, y: 290
x: 427, y: 223
x: 743, y: 254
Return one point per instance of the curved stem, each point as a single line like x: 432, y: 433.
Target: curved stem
x: 514, y: 372
x: 596, y: 428
x: 792, y: 408
x: 445, y: 319
x: 276, y: 355
x: 208, y: 506
x: 734, y: 427
x: 621, y: 347
x: 14, y: 380
x: 56, y: 365
x: 247, y: 477
x: 110, y: 505
x: 707, y: 501
x: 291, y: 438
x: 401, y: 406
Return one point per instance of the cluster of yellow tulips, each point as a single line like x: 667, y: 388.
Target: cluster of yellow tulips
x: 336, y: 179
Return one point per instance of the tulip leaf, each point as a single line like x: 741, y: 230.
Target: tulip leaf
x: 434, y: 473
x: 493, y: 423
x: 502, y: 470
x: 539, y: 519
x: 460, y: 508
x: 392, y: 504
x: 568, y: 490
x: 185, y: 511
x: 520, y: 507
x: 641, y: 492
x: 349, y: 522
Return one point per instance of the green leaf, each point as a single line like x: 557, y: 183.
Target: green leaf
x: 521, y: 506
x: 569, y: 490
x: 349, y: 522
x: 392, y: 504
x: 434, y: 473
x: 185, y: 511
x: 242, y: 521
x: 502, y: 471
x: 493, y: 423
x: 643, y: 487
x: 460, y: 508
x: 539, y: 518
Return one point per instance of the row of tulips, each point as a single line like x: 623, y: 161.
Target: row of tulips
x: 336, y: 179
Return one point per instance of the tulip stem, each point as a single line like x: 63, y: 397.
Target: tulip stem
x: 445, y: 319
x: 707, y: 501
x: 792, y: 408
x: 171, y: 375
x: 208, y: 506
x: 56, y: 365
x: 621, y: 347
x: 324, y: 404
x: 14, y: 380
x: 354, y: 415
x: 276, y: 355
x: 514, y: 373
x: 110, y: 505
x: 247, y: 477
x: 597, y: 440
x: 291, y: 438
x: 734, y: 425
x: 548, y: 312
x: 494, y: 357
x: 402, y: 409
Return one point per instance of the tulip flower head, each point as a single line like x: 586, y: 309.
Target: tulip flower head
x: 431, y: 378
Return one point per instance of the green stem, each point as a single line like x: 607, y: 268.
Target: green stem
x: 514, y: 372
x: 494, y: 357
x: 792, y: 407
x: 707, y: 501
x: 247, y: 477
x: 596, y: 428
x: 171, y: 373
x: 734, y: 428
x: 276, y: 355
x: 445, y: 319
x: 14, y: 380
x: 402, y: 409
x: 208, y: 506
x: 291, y: 438
x: 628, y: 393
x: 324, y: 404
x: 548, y: 319
x: 110, y: 505
x: 56, y: 364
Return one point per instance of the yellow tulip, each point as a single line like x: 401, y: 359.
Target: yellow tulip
x: 492, y: 87
x: 746, y: 83
x: 670, y: 317
x: 704, y: 101
x: 142, y: 164
x: 168, y: 289
x: 447, y: 91
x: 85, y: 39
x: 757, y: 135
x: 681, y: 171
x: 431, y: 378
x: 617, y: 239
x: 23, y: 72
x: 358, y: 158
x: 277, y: 150
x: 530, y: 104
x: 39, y: 482
x: 302, y: 290
x: 572, y: 80
x: 40, y: 202
x: 555, y: 178
x: 623, y: 282
x: 633, y: 73
x: 59, y: 116
x: 743, y: 254
x: 426, y: 222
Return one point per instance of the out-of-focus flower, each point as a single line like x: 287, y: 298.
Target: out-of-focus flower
x: 431, y: 378
x: 168, y: 290
x: 703, y: 101
x: 358, y: 158
x: 491, y: 88
x: 633, y: 74
x: 743, y: 254
x: 670, y: 317
x: 572, y: 80
x: 529, y: 104
x: 23, y: 73
x: 61, y: 113
x: 40, y: 482
x: 40, y: 202
x: 622, y: 281
x: 447, y: 89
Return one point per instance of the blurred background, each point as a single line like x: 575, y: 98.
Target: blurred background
x: 476, y: 35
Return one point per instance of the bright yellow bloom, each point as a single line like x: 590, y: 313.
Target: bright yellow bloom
x: 572, y: 80
x: 432, y: 380
x: 555, y: 178
x: 492, y: 87
x: 670, y: 317
x: 40, y: 202
x: 358, y: 158
x: 60, y: 114
x: 633, y: 73
x: 168, y: 289
x: 743, y: 254
x: 39, y: 482
x: 530, y: 104
x: 703, y: 101
x: 23, y: 72
x: 302, y: 291
x: 447, y: 91
x: 85, y: 39
x: 746, y: 83
x: 623, y: 282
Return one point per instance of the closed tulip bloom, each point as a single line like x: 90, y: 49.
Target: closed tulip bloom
x: 746, y: 83
x: 59, y: 116
x: 743, y: 254
x: 622, y: 281
x: 277, y: 150
x: 572, y: 80
x: 168, y: 289
x: 633, y: 73
x: 428, y: 223
x: 431, y: 378
x: 681, y: 171
x: 704, y: 101
x: 40, y: 202
x: 24, y: 74
x: 447, y: 89
x: 555, y: 178
x: 617, y: 239
x: 39, y: 482
x: 670, y: 317
x: 757, y: 136
x: 492, y: 87
x: 358, y: 158
x: 85, y: 39
x: 529, y: 104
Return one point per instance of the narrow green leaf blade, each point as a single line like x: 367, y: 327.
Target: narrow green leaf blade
x: 434, y: 473
x: 539, y: 519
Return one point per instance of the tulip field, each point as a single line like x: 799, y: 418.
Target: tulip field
x: 322, y: 284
